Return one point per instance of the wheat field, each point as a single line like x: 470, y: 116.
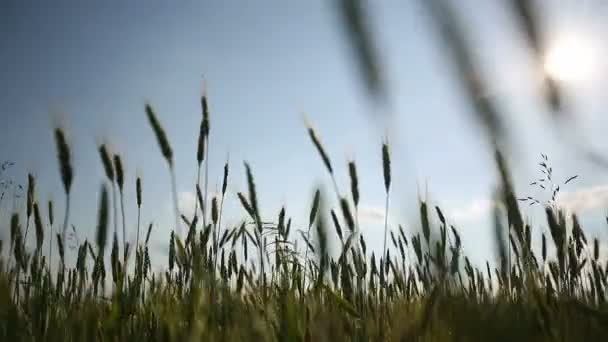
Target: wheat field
x: 267, y: 281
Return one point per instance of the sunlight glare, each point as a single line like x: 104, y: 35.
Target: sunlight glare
x: 570, y: 58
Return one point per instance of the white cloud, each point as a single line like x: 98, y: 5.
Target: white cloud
x: 584, y: 199
x: 187, y: 201
x: 576, y: 201
x: 371, y: 215
x: 472, y: 211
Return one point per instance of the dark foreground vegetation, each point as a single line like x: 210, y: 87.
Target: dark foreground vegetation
x: 265, y: 281
x: 253, y: 283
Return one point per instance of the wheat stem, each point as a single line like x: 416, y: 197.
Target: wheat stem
x: 65, y: 222
x: 175, y: 207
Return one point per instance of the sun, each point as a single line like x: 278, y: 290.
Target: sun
x: 571, y: 58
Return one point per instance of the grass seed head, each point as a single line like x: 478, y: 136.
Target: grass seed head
x: 354, y: 182
x: 205, y: 109
x: 200, y: 151
x: 138, y: 191
x: 120, y: 177
x: 64, y: 157
x: 107, y: 162
x: 214, y: 211
x: 31, y: 185
x: 440, y: 215
x: 172, y: 251
x: 596, y: 249
x: 253, y: 197
x: 386, y: 166
x: 61, y: 250
x: 424, y: 218
x: 148, y: 233
x: 245, y: 204
x: 51, y: 217
x: 39, y: 227
x: 315, y: 208
x: 348, y: 217
x: 317, y: 142
x: 337, y: 226
x: 102, y: 220
x: 225, y: 181
x: 161, y: 137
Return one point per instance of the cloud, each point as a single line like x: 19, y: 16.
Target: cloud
x: 584, y: 199
x: 472, y: 211
x: 576, y: 201
x: 187, y: 201
x: 371, y: 215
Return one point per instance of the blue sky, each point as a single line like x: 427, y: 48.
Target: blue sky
x: 90, y: 67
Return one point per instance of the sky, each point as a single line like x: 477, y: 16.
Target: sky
x: 91, y: 66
